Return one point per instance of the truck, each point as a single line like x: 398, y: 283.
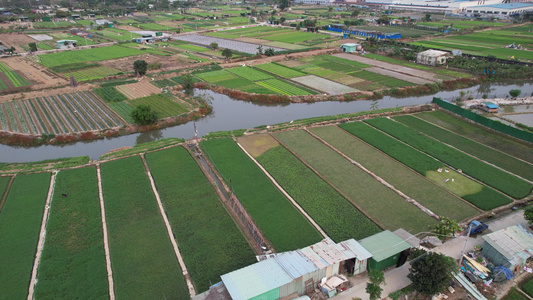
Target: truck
x: 476, y: 227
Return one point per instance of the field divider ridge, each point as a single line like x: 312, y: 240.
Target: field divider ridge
x: 302, y: 211
x: 376, y: 177
x: 188, y: 280
x: 6, y: 192
x: 105, y: 235
x: 42, y: 236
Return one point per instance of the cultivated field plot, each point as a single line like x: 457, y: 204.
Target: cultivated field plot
x: 164, y: 104
x: 280, y: 70
x: 20, y: 223
x: 138, y: 90
x: 249, y: 73
x: 95, y: 54
x: 458, y: 24
x: 66, y: 113
x: 223, y: 43
x: 479, y: 134
x: 284, y: 88
x: 274, y: 34
x: 281, y: 222
x: 73, y: 263
x: 478, y: 150
x: 381, y: 203
x: 11, y: 79
x: 144, y: 263
x: 339, y: 218
x: 324, y: 85
x: 496, y: 178
x: 110, y: 94
x: 209, y: 240
x: 468, y: 189
x: 424, y: 191
x: 118, y: 34
x: 92, y: 73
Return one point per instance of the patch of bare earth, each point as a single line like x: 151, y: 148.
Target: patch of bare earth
x: 138, y: 89
x: 257, y: 144
x: 16, y: 39
x: 39, y: 75
x: 126, y: 64
x: 45, y: 93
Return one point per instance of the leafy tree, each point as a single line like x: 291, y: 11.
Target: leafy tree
x: 260, y: 50
x: 140, y: 66
x: 227, y: 53
x: 270, y: 52
x: 144, y: 114
x: 427, y: 18
x: 298, y: 27
x: 33, y: 47
x: 283, y: 4
x: 446, y: 227
x: 374, y: 287
x: 188, y: 84
x: 282, y: 19
x: 214, y: 45
x: 515, y: 93
x: 383, y: 19
x: 431, y: 273
x: 355, y: 13
x: 528, y: 215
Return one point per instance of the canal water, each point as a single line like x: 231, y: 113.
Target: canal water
x: 230, y: 114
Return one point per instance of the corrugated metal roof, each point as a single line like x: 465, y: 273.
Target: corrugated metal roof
x: 328, y: 251
x: 295, y: 264
x: 255, y: 279
x: 360, y: 252
x: 408, y: 237
x: 315, y: 258
x: 508, y: 5
x: 384, y: 245
x: 490, y: 104
x: 510, y: 242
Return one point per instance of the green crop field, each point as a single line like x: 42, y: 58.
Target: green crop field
x: 73, y: 261
x: 374, y: 198
x: 123, y: 109
x: 381, y: 79
x: 16, y: 79
x: 20, y: 223
x: 3, y: 185
x: 209, y: 240
x: 280, y: 70
x: 43, y: 46
x: 96, y: 54
x: 194, y: 48
x: 215, y: 76
x: 424, y: 191
x: 295, y: 37
x: 528, y: 287
x: 163, y: 104
x: 284, y: 88
x: 480, y: 134
x: 398, y: 61
x: 480, y: 151
x: 250, y: 73
x: 498, y: 179
x: 333, y: 213
x: 281, y: 222
x: 475, y: 193
x: 144, y: 263
x: 118, y: 34
x: 92, y: 73
x: 110, y: 94
x: 235, y: 83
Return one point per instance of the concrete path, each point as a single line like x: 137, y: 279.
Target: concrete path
x: 105, y: 235
x: 396, y: 279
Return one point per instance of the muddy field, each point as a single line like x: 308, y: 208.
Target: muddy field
x: 16, y: 39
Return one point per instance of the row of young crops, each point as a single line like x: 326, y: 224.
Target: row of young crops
x: 92, y: 73
x: 64, y: 113
x: 11, y: 78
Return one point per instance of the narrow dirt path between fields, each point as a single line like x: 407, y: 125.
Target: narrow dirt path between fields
x: 322, y: 232
x: 6, y: 192
x: 186, y: 274
x: 376, y: 177
x: 106, y: 236
x: 42, y: 236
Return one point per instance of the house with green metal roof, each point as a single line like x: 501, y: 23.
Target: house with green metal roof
x: 386, y: 249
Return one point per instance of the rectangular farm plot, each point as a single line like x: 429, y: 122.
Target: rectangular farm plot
x: 324, y: 85
x: 280, y: 70
x: 11, y: 79
x: 164, y: 104
x: 294, y: 37
x: 209, y: 240
x: 381, y: 79
x: 138, y: 89
x: 424, y: 191
x: 215, y: 76
x: 73, y: 261
x: 500, y: 180
x: 20, y: 223
x: 278, y: 219
x: 92, y: 73
x: 339, y: 218
x: 478, y: 150
x: 377, y: 200
x: 249, y: 73
x: 4, y: 180
x: 284, y: 88
x: 95, y: 54
x: 480, y: 195
x: 144, y: 263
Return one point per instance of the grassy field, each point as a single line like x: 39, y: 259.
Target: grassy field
x: 73, y: 261
x: 500, y: 180
x: 20, y: 223
x: 424, y: 191
x: 92, y: 73
x: 163, y: 104
x: 280, y: 70
x: 373, y: 197
x: 3, y: 185
x: 96, y: 54
x: 481, y: 151
x: 333, y: 213
x: 284, y: 88
x: 249, y: 73
x: 475, y: 193
x: 144, y: 263
x: 479, y: 134
x: 281, y: 223
x: 110, y: 94
x: 209, y: 240
x: 514, y: 295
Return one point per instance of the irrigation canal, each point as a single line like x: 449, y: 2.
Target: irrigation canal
x: 230, y: 114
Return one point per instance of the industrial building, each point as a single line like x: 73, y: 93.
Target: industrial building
x: 499, y: 10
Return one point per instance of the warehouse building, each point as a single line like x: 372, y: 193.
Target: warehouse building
x: 500, y: 10
x: 509, y: 247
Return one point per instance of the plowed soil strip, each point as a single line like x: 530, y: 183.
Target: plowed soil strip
x: 6, y: 116
x: 27, y: 119
x: 80, y: 125
x: 59, y: 113
x: 53, y: 114
x: 42, y: 116
x: 15, y: 117
x: 36, y: 121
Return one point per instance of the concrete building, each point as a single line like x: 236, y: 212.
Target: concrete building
x: 500, y: 10
x: 315, y: 2
x: 510, y: 247
x: 432, y: 57
x: 387, y: 250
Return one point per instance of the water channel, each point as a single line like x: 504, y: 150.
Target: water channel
x: 230, y: 114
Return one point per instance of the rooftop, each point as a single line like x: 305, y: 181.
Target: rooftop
x: 384, y: 245
x: 508, y: 5
x: 512, y: 241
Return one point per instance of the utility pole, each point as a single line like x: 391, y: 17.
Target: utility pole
x: 464, y: 247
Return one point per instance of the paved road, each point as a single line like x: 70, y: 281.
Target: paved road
x: 396, y: 279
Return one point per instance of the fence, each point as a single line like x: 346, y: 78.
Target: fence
x: 500, y: 127
x: 245, y: 218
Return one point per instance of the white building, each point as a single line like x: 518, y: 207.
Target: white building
x: 432, y: 57
x: 500, y: 10
x: 315, y: 2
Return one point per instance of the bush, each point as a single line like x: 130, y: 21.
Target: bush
x: 144, y: 115
x: 515, y: 93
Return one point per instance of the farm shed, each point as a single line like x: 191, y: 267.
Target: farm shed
x: 510, y: 247
x: 350, y: 47
x: 62, y: 44
x: 387, y: 250
x: 489, y: 107
x: 432, y: 57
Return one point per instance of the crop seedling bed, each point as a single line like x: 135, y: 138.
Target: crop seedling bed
x: 500, y: 180
x: 421, y: 189
x: 95, y: 54
x: 20, y: 223
x: 249, y: 73
x: 123, y: 109
x: 271, y: 211
x: 284, y: 88
x: 215, y: 76
x: 206, y: 234
x: 73, y: 261
x: 280, y: 70
x: 475, y: 193
x: 339, y: 218
x: 92, y: 73
x: 110, y: 94
x: 162, y: 103
x: 235, y: 83
x: 144, y: 264
x: 374, y: 198
x: 483, y: 152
